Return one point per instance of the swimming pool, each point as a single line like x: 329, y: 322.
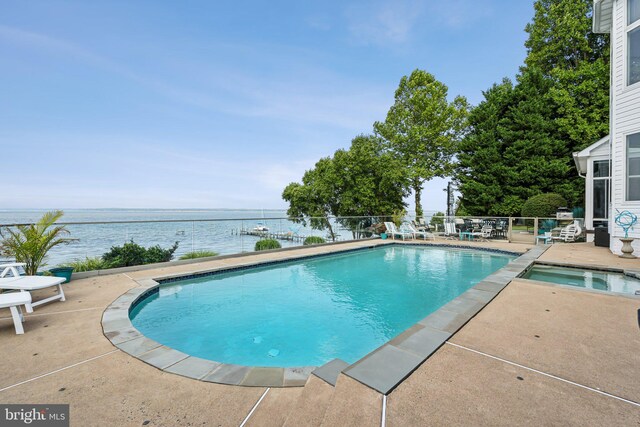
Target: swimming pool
x: 584, y: 278
x: 307, y: 312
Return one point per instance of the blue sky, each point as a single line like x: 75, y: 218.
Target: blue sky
x: 217, y: 104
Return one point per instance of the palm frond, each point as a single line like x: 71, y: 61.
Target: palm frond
x: 31, y: 243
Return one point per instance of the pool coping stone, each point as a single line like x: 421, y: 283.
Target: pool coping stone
x: 382, y: 369
x: 330, y: 371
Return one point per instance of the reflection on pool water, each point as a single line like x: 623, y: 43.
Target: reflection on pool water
x: 307, y: 312
x: 590, y: 279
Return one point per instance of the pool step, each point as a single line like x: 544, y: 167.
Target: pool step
x: 353, y: 404
x: 330, y: 370
x: 309, y: 408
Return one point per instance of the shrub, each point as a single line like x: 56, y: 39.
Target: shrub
x: 543, y: 205
x: 132, y: 253
x: 313, y: 240
x: 199, y: 254
x: 266, y: 244
x: 157, y: 254
x: 87, y: 264
x: 437, y: 219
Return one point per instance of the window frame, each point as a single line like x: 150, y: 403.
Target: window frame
x: 627, y: 176
x: 629, y: 27
x: 607, y: 190
x: 628, y: 15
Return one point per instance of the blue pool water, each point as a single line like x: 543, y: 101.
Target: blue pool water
x: 307, y: 312
x: 589, y: 279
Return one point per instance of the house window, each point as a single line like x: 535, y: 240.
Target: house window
x: 633, y: 41
x: 633, y: 167
x: 634, y: 55
x: 601, y: 187
x: 633, y: 11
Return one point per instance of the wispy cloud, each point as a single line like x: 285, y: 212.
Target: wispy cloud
x: 396, y: 22
x: 455, y: 14
x: 383, y: 23
x: 306, y: 94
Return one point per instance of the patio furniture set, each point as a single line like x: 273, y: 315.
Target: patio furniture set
x: 20, y: 288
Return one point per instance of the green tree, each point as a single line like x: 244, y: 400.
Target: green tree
x: 521, y: 136
x: 363, y: 181
x: 316, y: 199
x: 422, y: 128
x: 512, y: 151
x: 562, y: 46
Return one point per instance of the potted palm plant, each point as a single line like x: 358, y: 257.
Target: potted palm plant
x: 30, y: 243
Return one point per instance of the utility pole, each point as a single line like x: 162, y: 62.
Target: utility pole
x: 450, y: 201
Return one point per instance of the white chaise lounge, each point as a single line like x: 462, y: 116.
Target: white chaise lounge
x: 11, y: 279
x: 425, y: 234
x: 450, y: 231
x: 13, y: 301
x: 391, y: 229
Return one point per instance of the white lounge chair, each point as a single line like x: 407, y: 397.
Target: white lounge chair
x: 391, y: 229
x: 13, y: 301
x: 416, y: 233
x: 11, y: 279
x: 450, y: 231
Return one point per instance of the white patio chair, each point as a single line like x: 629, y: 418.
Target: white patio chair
x: 483, y: 234
x: 11, y: 279
x: 391, y: 229
x: 569, y: 233
x: 13, y: 301
x: 425, y: 234
x: 450, y: 231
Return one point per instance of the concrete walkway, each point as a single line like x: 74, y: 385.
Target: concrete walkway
x: 537, y: 354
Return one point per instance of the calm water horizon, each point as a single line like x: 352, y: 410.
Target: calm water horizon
x: 193, y: 229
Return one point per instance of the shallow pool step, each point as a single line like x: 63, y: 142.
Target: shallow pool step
x: 312, y: 403
x: 353, y: 404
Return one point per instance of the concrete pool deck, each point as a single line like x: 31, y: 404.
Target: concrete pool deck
x: 567, y: 347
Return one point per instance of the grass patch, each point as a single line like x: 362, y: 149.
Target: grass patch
x: 87, y: 264
x: 198, y: 254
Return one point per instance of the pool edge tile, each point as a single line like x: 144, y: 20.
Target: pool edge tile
x: 264, y: 377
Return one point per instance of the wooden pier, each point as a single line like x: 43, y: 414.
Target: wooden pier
x: 289, y: 235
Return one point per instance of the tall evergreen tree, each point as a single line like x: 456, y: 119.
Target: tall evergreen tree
x: 559, y: 105
x: 513, y: 151
x: 562, y: 45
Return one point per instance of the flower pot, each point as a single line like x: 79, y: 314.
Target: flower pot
x: 62, y: 272
x: 383, y: 236
x: 627, y: 249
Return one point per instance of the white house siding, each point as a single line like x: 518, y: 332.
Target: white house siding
x: 625, y: 119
